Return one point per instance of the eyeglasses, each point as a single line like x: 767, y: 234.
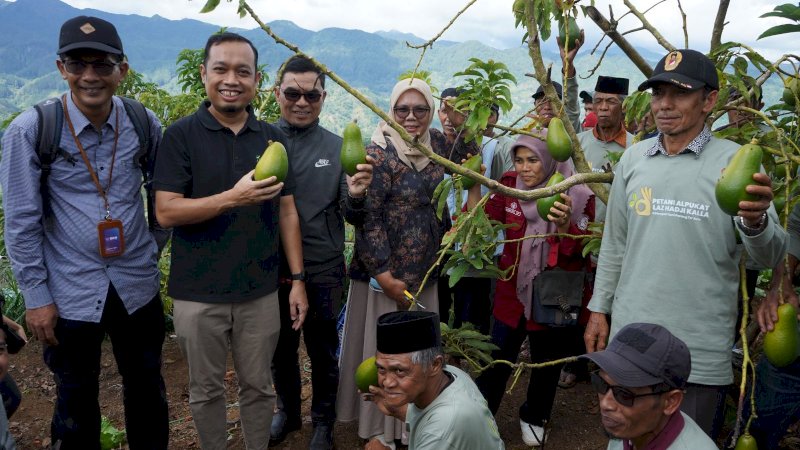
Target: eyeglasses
x: 622, y: 395
x: 78, y: 66
x: 420, y: 112
x: 294, y: 95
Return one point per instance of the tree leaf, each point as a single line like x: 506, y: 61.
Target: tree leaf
x: 780, y: 29
x: 210, y: 6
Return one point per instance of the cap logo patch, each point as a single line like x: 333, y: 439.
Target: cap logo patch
x: 87, y: 28
x: 681, y: 84
x: 636, y: 339
x: 672, y: 61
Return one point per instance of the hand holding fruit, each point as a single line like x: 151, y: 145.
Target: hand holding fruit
x: 752, y: 211
x: 247, y: 191
x: 358, y: 183
x: 560, y: 213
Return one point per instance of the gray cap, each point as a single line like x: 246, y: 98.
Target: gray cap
x: 644, y: 354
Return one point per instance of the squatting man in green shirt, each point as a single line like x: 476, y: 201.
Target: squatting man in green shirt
x: 440, y: 404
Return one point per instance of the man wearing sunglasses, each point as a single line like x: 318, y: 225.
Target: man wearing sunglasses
x: 640, y: 385
x: 78, y: 282
x: 325, y: 196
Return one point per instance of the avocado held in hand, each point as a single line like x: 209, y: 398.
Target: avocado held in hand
x: 543, y: 205
x: 730, y: 189
x: 473, y: 164
x: 273, y: 162
x: 367, y: 375
x: 353, y: 152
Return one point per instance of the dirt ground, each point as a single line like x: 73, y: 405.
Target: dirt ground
x: 575, y: 423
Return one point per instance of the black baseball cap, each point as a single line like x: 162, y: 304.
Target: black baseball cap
x: 89, y: 32
x: 540, y: 91
x: 407, y: 331
x: 585, y: 96
x: 645, y: 354
x: 687, y: 69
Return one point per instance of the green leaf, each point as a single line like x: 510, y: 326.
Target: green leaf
x: 457, y: 273
x: 210, y: 6
x: 780, y: 29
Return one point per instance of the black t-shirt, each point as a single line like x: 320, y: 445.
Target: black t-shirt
x: 234, y: 256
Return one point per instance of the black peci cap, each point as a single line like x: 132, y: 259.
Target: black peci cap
x: 612, y: 85
x: 408, y: 331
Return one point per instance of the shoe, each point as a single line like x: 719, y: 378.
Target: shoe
x: 281, y: 426
x: 322, y: 438
x: 532, y: 435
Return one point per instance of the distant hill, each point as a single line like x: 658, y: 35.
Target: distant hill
x: 370, y: 62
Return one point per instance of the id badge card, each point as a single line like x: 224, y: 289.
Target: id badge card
x: 111, y: 237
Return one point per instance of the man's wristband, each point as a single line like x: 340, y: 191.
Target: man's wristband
x: 752, y: 231
x: 299, y: 276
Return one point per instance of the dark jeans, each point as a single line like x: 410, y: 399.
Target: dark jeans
x: 471, y: 297
x: 75, y: 362
x: 324, y: 291
x: 545, y: 345
x: 777, y: 402
x: 12, y: 397
x: 445, y: 294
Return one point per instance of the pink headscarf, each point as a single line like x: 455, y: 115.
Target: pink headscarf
x: 534, y: 252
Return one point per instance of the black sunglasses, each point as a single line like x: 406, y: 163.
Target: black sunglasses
x: 77, y: 67
x: 420, y: 112
x: 294, y: 95
x: 622, y: 395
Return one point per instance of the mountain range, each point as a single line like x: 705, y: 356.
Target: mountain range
x: 370, y: 62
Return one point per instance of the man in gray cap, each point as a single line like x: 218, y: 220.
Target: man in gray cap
x: 669, y: 253
x: 79, y: 244
x: 440, y: 404
x: 645, y: 368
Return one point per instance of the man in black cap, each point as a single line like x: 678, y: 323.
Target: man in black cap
x: 78, y: 288
x: 609, y: 135
x: 440, y: 404
x: 669, y: 252
x: 544, y: 110
x: 639, y: 384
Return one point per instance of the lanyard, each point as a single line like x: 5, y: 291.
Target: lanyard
x: 103, y: 192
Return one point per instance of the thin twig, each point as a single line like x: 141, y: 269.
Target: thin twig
x: 609, y: 29
x: 646, y: 23
x: 599, y: 61
x: 430, y: 42
x: 685, y: 29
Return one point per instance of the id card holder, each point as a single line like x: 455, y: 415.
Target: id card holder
x: 111, y: 237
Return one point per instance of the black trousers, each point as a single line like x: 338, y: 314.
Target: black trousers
x: 472, y: 300
x: 324, y: 291
x: 12, y: 397
x: 545, y: 345
x: 75, y: 362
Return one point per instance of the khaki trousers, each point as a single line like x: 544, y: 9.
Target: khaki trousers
x: 205, y: 333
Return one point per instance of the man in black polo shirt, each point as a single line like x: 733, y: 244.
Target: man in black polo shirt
x: 224, y: 273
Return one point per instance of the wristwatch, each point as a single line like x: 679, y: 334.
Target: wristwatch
x: 299, y: 276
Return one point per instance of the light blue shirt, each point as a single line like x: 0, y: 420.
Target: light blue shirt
x: 59, y: 262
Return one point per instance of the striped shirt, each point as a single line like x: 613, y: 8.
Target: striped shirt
x: 60, y: 262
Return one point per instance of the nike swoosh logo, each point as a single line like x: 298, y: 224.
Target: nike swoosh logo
x: 321, y: 164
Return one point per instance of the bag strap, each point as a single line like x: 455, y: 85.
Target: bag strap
x: 146, y: 156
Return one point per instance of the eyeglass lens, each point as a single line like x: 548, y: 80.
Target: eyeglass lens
x: 77, y: 67
x: 420, y: 112
x: 294, y: 95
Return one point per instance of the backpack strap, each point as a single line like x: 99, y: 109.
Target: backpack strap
x: 51, y: 119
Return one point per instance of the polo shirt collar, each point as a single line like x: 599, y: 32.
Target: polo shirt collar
x: 290, y: 129
x: 696, y: 146
x: 666, y: 437
x: 620, y: 138
x: 211, y: 122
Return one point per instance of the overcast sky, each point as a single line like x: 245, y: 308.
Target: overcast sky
x: 488, y: 21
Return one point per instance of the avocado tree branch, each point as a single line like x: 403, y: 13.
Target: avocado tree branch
x: 610, y: 29
x: 685, y: 29
x: 535, y: 53
x: 719, y: 24
x: 433, y: 39
x: 646, y: 23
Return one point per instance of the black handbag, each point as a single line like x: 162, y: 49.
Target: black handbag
x: 557, y: 297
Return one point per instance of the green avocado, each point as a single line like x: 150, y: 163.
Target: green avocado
x: 543, y: 205
x: 781, y: 344
x: 791, y: 91
x: 558, y: 143
x: 473, y: 164
x: 273, y: 162
x: 366, y: 375
x: 746, y: 442
x: 353, y: 152
x: 571, y: 32
x: 730, y: 189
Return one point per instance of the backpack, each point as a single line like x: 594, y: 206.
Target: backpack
x: 48, y: 140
